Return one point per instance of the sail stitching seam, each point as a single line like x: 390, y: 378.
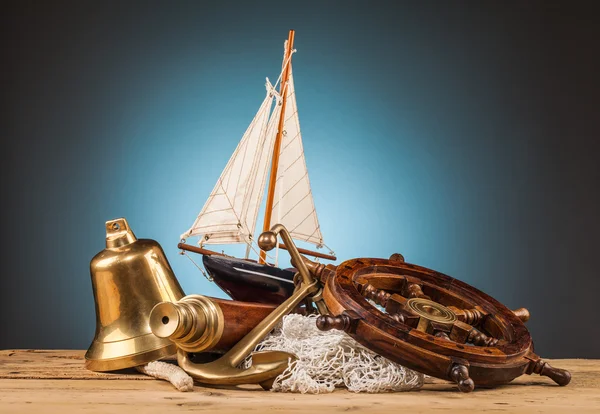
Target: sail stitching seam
x: 293, y: 162
x: 303, y: 220
x: 290, y: 189
x: 296, y: 205
x: 290, y: 141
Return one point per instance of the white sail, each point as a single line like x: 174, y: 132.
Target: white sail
x: 229, y: 215
x: 231, y: 211
x: 261, y: 177
x: 293, y: 201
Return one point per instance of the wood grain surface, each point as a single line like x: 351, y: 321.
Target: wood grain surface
x: 56, y: 382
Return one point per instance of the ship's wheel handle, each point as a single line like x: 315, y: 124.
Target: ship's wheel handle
x: 460, y: 374
x: 561, y: 376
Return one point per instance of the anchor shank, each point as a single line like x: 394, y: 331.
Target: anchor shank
x: 296, y: 258
x: 245, y: 346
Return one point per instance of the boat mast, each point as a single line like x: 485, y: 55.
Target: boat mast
x: 276, y: 148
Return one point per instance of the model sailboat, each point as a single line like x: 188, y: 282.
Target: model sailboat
x: 230, y: 214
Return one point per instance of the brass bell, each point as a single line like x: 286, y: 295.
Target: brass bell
x: 129, y: 277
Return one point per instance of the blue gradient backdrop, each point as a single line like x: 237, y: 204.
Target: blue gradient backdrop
x: 459, y: 134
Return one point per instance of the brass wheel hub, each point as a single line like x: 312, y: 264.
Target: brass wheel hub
x: 431, y: 312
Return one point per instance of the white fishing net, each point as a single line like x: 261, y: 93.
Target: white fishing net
x: 331, y: 359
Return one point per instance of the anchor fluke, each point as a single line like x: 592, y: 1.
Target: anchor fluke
x: 266, y: 366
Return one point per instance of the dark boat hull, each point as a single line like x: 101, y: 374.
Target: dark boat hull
x: 249, y: 281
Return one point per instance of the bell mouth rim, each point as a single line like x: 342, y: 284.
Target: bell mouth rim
x: 128, y: 361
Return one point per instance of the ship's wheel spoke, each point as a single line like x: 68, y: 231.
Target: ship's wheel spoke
x: 473, y: 316
x: 414, y: 290
x: 379, y: 296
x: 464, y: 333
x: 393, y: 304
x: 423, y: 314
x: 396, y: 308
x: 478, y: 338
x: 460, y: 332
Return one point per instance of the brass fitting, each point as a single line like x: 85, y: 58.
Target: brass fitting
x: 195, y: 323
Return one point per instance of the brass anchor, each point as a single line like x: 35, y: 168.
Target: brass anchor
x: 266, y: 365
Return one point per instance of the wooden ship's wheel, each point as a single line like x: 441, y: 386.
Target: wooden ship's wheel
x: 429, y: 322
x: 409, y: 314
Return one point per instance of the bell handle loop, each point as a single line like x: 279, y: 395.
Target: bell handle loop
x: 118, y: 233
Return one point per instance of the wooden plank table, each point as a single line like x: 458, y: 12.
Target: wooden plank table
x: 56, y: 382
